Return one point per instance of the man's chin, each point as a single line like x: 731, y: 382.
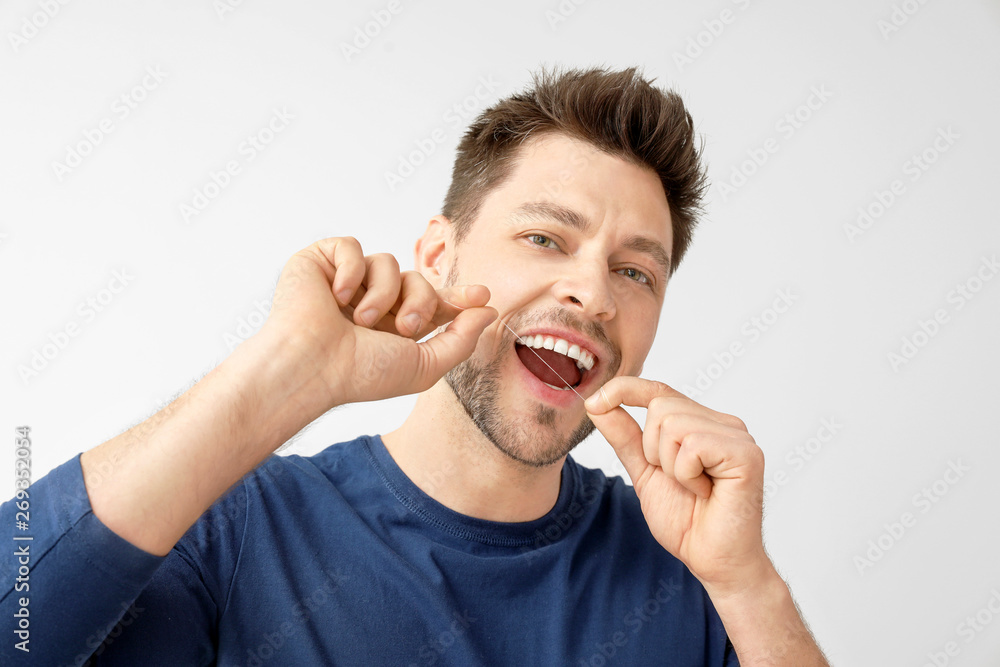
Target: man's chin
x: 537, y: 437
x: 557, y: 448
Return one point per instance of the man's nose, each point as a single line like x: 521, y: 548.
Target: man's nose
x: 586, y: 289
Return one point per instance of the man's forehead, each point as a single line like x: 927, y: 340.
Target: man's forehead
x: 554, y: 164
x: 555, y: 149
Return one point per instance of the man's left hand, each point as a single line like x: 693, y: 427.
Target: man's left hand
x: 698, y: 474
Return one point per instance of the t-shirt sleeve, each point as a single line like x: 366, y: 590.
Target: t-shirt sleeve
x: 65, y: 578
x: 175, y: 619
x: 95, y: 599
x: 172, y: 622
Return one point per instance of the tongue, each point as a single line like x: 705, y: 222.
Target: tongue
x: 562, y: 365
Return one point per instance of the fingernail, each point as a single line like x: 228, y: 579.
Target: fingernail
x: 411, y: 322
x: 591, y: 403
x: 368, y: 316
x: 344, y: 296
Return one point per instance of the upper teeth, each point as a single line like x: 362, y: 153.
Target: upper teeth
x: 584, y: 359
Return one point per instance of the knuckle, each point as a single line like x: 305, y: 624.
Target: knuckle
x: 657, y: 406
x: 387, y: 258
x: 696, y: 442
x: 734, y: 421
x: 662, y: 388
x: 668, y: 420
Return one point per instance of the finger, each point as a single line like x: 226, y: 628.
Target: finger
x: 689, y: 470
x: 348, y: 261
x: 705, y: 457
x: 417, y: 303
x: 674, y: 427
x: 382, y: 283
x: 456, y: 298
x: 643, y: 393
x: 624, y: 435
x: 453, y: 345
x: 434, y: 307
x: 627, y: 390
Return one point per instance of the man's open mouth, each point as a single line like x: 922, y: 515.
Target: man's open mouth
x: 555, y: 361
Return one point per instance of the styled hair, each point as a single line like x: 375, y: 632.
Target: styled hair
x: 618, y: 112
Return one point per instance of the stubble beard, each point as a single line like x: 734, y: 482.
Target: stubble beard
x: 535, y: 440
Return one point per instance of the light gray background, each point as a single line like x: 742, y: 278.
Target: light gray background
x: 887, y: 94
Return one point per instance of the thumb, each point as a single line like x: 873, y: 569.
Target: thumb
x: 456, y: 343
x: 625, y: 436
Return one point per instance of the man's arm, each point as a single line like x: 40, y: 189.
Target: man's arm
x: 102, y: 525
x: 765, y: 625
x: 315, y: 351
x: 699, y: 477
x: 152, y: 482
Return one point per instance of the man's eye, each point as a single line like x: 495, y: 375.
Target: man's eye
x: 636, y: 275
x: 539, y: 239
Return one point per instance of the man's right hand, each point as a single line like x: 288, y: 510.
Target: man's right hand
x: 356, y: 319
x: 314, y: 352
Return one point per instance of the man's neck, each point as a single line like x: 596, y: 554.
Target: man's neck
x: 445, y: 454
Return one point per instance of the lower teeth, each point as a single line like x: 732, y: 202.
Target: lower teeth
x: 555, y: 387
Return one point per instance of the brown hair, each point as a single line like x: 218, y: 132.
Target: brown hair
x: 618, y: 112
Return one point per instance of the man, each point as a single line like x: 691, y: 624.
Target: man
x: 467, y: 535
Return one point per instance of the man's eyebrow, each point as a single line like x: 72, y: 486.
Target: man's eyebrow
x: 538, y: 209
x: 654, y: 249
x: 573, y: 219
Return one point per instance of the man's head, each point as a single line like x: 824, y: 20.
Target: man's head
x: 556, y: 209
x: 618, y: 112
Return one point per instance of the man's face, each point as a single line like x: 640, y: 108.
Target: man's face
x: 574, y: 247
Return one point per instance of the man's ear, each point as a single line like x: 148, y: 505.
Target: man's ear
x: 430, y: 254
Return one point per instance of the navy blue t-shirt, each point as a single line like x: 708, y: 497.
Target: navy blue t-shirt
x: 340, y: 559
